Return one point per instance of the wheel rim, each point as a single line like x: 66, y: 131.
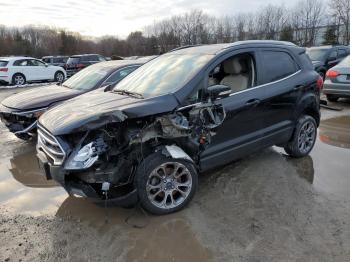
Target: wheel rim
x: 307, y: 136
x: 169, y: 185
x: 19, y: 80
x: 59, y: 77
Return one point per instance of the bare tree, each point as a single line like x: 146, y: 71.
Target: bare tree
x: 341, y: 9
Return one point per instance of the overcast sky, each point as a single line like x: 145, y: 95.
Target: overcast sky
x: 114, y: 17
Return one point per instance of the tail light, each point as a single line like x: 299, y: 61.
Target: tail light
x: 319, y: 82
x: 332, y: 73
x: 3, y: 69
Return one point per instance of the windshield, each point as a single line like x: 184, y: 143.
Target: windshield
x: 317, y: 54
x: 164, y: 74
x: 87, y: 78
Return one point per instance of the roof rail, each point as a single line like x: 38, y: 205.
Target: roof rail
x: 181, y: 47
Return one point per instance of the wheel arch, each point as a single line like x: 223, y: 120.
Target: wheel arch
x: 309, y: 104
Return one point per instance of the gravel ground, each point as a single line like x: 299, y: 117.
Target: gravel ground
x: 266, y: 207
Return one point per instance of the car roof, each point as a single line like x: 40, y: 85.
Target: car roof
x: 12, y: 58
x: 217, y: 48
x: 117, y: 63
x: 82, y: 55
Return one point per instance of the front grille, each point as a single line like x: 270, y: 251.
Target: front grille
x: 50, y: 146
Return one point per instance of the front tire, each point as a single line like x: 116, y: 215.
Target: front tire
x: 332, y: 98
x: 59, y: 77
x: 165, y: 185
x: 304, y: 137
x: 18, y: 79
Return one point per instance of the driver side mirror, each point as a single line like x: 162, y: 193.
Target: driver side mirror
x: 216, y: 91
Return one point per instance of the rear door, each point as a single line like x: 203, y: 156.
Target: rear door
x: 282, y: 84
x: 39, y: 70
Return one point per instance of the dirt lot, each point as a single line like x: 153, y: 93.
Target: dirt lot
x: 266, y: 207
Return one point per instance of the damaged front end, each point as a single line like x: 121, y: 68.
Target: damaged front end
x: 100, y: 160
x: 21, y: 123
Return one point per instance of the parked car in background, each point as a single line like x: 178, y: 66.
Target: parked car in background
x: 325, y: 57
x: 20, y: 112
x: 184, y: 112
x: 77, y: 62
x: 55, y: 60
x: 21, y: 70
x: 337, y: 82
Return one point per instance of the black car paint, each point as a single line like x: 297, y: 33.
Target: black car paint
x: 253, y: 121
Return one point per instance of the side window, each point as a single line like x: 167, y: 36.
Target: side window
x: 120, y: 74
x: 21, y: 63
x: 47, y: 60
x: 100, y: 58
x: 237, y: 72
x: 277, y: 65
x: 93, y: 58
x: 342, y: 53
x: 36, y: 63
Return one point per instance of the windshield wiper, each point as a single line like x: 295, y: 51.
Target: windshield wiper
x: 128, y: 93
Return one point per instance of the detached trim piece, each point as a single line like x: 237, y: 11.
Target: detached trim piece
x: 177, y: 153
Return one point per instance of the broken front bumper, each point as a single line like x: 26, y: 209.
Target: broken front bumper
x: 80, y: 188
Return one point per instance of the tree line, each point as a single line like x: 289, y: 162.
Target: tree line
x: 305, y: 24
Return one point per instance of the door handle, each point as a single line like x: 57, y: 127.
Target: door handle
x: 252, y: 102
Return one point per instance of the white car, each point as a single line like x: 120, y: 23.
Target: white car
x: 20, y: 70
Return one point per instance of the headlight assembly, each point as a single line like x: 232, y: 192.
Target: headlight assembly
x: 82, y: 159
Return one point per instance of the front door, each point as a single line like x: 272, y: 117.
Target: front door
x: 240, y: 133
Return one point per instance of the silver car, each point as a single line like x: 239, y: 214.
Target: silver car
x: 337, y: 82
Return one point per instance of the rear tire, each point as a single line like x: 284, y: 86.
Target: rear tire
x: 59, y: 77
x: 18, y: 79
x: 332, y: 98
x: 304, y: 137
x: 165, y: 185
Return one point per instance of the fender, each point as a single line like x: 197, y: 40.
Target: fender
x: 310, y: 102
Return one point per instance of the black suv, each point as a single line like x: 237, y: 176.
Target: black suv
x: 77, y: 62
x: 325, y: 57
x: 182, y: 113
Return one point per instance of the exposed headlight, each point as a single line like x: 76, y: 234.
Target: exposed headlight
x: 82, y: 159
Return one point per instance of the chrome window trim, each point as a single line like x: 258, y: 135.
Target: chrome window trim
x: 252, y: 88
x: 266, y: 84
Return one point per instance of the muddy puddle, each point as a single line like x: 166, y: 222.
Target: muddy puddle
x: 24, y: 190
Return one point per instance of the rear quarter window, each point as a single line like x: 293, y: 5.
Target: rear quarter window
x: 277, y: 65
x: 3, y: 63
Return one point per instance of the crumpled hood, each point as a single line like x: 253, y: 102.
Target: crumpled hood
x: 39, y: 97
x: 316, y: 63
x: 95, y: 109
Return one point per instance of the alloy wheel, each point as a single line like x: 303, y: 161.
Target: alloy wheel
x: 19, y: 80
x: 307, y: 136
x: 169, y: 185
x: 59, y: 77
